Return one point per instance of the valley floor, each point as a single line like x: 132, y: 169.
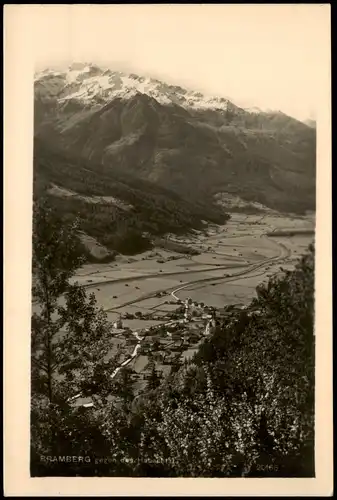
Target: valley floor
x: 233, y: 260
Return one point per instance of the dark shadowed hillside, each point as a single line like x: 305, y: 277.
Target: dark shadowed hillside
x: 116, y: 209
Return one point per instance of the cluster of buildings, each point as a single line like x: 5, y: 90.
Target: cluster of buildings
x: 192, y: 321
x: 198, y: 311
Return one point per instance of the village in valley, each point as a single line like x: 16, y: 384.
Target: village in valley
x: 159, y: 347
x: 160, y: 316
x: 177, y: 339
x: 174, y: 340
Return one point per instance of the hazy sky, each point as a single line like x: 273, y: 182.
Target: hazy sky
x: 257, y: 55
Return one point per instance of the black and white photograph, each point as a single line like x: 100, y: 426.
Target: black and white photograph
x: 173, y: 241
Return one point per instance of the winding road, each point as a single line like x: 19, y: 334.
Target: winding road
x: 284, y: 253
x: 116, y: 370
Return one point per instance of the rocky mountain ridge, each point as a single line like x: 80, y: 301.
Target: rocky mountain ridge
x: 179, y: 139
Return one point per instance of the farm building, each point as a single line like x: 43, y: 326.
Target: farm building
x: 118, y: 324
x: 210, y: 326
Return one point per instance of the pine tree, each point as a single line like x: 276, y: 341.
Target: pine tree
x: 124, y: 385
x: 69, y: 348
x: 154, y: 378
x: 70, y: 334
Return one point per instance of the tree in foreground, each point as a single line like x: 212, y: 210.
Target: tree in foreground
x: 257, y: 409
x: 71, y: 349
x: 246, y: 398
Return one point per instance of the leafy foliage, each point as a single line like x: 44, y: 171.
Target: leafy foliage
x: 246, y: 398
x: 70, y: 339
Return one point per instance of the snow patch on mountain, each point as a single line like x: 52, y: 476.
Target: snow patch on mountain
x: 231, y: 202
x: 62, y: 192
x: 85, y: 82
x: 88, y: 83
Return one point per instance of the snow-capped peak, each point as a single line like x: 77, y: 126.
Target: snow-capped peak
x: 87, y: 82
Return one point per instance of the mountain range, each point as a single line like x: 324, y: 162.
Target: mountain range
x: 139, y: 130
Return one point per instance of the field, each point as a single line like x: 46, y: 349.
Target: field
x: 232, y: 261
x: 240, y: 248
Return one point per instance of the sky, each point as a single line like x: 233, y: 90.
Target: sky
x: 269, y: 56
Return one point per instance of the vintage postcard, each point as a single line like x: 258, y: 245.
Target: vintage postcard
x: 168, y: 260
